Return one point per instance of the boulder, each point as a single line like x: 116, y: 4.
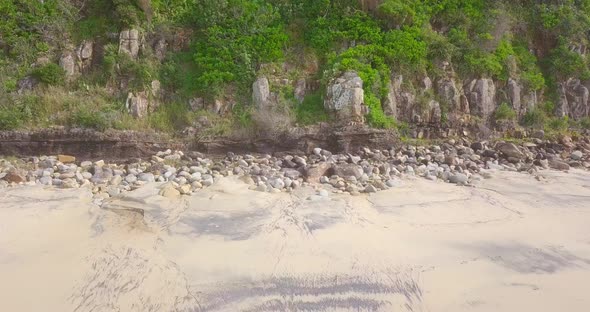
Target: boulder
x: 129, y: 42
x: 315, y: 172
x: 66, y: 159
x: 577, y: 155
x: 558, y: 165
x: 458, y: 178
x: 169, y: 191
x: 345, y: 97
x: 14, y: 177
x: 510, y: 150
x: 348, y: 170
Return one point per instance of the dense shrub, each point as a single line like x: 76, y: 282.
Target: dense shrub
x: 225, y: 43
x: 51, y: 74
x: 311, y: 111
x: 558, y: 124
x: 535, y: 118
x: 9, y: 119
x: 505, y: 112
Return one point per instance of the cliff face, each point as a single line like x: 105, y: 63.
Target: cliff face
x: 255, y: 68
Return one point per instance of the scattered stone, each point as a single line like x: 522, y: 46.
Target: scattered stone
x: 348, y: 170
x: 69, y: 183
x: 13, y: 177
x: 185, y: 189
x: 313, y: 173
x: 510, y: 150
x: 458, y: 178
x: 370, y: 189
x: 169, y: 191
x: 116, y: 180
x: 559, y: 165
x: 577, y: 155
x: 130, y: 178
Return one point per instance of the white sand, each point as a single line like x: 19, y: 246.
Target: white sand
x: 510, y: 244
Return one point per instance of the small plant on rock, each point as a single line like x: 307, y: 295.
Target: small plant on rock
x: 505, y: 112
x: 535, y: 118
x: 51, y: 74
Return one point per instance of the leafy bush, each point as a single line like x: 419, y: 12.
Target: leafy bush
x: 170, y: 117
x: 311, y: 111
x: 234, y: 37
x: 535, y: 118
x: 585, y: 123
x: 376, y: 117
x: 87, y: 118
x: 559, y: 125
x: 51, y: 74
x: 505, y: 112
x: 9, y: 119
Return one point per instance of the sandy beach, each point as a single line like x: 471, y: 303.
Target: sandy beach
x: 509, y: 243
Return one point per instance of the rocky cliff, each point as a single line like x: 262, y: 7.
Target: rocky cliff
x: 240, y: 68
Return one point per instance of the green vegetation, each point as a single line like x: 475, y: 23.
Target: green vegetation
x: 535, y: 119
x: 215, y: 49
x: 51, y: 74
x: 311, y: 111
x: 505, y: 112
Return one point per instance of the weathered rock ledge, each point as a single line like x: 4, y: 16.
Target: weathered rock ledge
x: 369, y: 170
x: 112, y: 144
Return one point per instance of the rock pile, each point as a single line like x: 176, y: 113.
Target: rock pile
x: 368, y: 171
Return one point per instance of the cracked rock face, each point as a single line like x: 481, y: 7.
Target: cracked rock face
x: 68, y: 63
x: 573, y: 99
x: 482, y: 97
x: 345, y: 97
x: 261, y: 93
x: 129, y: 42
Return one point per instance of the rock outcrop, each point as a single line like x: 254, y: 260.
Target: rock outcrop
x: 28, y: 83
x: 482, y: 97
x: 68, y: 63
x: 394, y: 93
x: 573, y: 100
x: 261, y: 93
x: 514, y: 97
x: 137, y: 104
x: 300, y: 90
x: 84, y: 54
x: 448, y: 92
x: 129, y: 42
x: 345, y: 97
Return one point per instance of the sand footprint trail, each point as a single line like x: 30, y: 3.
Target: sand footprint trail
x: 512, y: 243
